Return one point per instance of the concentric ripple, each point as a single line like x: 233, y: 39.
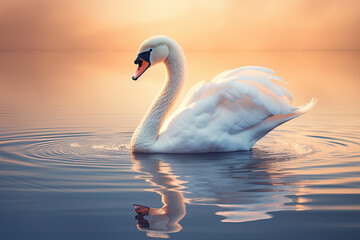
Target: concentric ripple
x: 58, y: 160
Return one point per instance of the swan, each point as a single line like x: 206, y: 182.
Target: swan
x: 230, y: 113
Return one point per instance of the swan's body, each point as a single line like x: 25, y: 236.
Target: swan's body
x: 230, y: 113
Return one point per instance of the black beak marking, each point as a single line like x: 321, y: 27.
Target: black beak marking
x: 144, y: 55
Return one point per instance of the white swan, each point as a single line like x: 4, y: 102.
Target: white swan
x: 230, y: 113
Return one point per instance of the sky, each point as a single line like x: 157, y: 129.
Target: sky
x: 197, y: 25
x: 49, y: 49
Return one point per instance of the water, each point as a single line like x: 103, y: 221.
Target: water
x: 67, y: 172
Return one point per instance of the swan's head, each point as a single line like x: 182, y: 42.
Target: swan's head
x: 152, y: 51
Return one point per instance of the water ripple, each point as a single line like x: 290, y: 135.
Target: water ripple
x: 61, y: 160
x: 279, y: 173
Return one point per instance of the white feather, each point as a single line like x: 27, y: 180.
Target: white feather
x: 226, y: 113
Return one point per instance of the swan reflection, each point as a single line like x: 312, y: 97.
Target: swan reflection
x: 158, y: 222
x: 245, y: 185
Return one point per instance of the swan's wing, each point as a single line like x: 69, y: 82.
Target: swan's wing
x: 241, y: 81
x: 235, y: 102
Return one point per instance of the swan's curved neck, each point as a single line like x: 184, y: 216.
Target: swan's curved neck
x: 147, y: 132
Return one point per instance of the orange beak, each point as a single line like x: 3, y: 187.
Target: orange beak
x: 143, y: 65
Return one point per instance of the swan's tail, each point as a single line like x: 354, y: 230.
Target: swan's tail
x: 305, y: 108
x: 298, y: 111
x: 270, y: 123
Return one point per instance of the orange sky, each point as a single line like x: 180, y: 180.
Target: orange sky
x: 102, y: 79
x: 196, y: 25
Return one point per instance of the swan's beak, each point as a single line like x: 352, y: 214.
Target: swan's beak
x: 143, y: 65
x: 143, y: 59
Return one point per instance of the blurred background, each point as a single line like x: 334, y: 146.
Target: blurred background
x: 78, y: 55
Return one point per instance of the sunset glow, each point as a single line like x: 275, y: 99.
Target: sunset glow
x: 205, y: 144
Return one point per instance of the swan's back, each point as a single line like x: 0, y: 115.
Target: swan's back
x: 230, y: 113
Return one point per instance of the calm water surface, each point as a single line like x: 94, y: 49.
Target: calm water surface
x: 69, y: 174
